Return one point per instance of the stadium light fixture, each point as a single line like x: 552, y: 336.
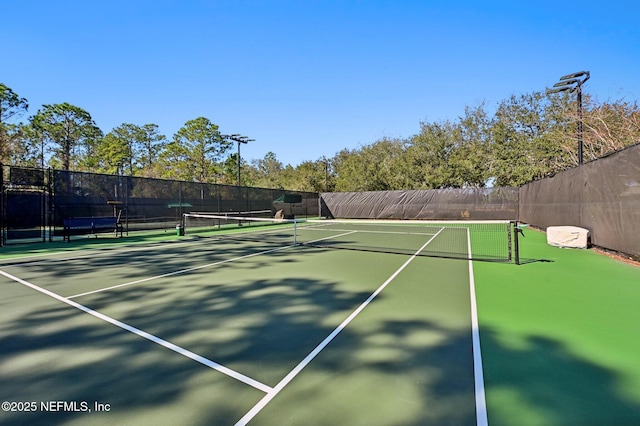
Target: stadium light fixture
x: 573, y: 83
x: 236, y: 137
x: 575, y: 75
x: 240, y: 140
x: 569, y: 82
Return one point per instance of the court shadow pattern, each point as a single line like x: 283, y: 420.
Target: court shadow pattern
x: 400, y: 371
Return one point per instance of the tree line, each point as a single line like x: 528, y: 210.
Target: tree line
x: 527, y: 137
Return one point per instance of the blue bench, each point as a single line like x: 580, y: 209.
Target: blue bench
x: 91, y: 225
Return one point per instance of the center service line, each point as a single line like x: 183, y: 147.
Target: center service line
x: 195, y: 268
x: 285, y: 381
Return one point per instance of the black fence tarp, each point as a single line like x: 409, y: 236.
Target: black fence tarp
x: 140, y: 203
x: 454, y: 203
x: 602, y: 196
x: 147, y: 203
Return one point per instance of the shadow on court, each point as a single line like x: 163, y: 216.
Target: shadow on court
x: 396, y: 364
x: 56, y: 355
x: 543, y: 384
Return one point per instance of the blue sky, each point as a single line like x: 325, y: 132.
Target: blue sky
x: 307, y: 79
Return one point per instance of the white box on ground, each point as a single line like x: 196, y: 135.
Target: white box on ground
x: 567, y: 236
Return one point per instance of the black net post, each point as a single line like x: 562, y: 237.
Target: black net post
x: 517, y: 230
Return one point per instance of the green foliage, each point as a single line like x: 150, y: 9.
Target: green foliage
x: 527, y: 137
x: 429, y: 153
x: 130, y: 149
x: 32, y: 149
x: 309, y: 176
x: 72, y: 132
x: 471, y: 159
x: 195, y: 152
x: 609, y: 127
x: 374, y: 167
x: 11, y: 105
x: 524, y: 143
x: 268, y: 172
x: 148, y: 143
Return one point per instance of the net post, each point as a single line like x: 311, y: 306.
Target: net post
x: 509, y: 242
x: 295, y: 232
x: 516, y: 244
x: 183, y: 220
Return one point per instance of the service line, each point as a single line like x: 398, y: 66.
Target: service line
x: 175, y: 348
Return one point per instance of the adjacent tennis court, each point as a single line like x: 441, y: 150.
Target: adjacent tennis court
x: 278, y: 323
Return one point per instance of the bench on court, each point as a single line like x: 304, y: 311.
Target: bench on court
x: 91, y: 226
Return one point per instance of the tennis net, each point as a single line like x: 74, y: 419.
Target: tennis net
x: 476, y: 240
x: 240, y: 227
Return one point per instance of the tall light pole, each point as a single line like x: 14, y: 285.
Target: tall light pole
x: 326, y: 174
x: 573, y: 83
x: 240, y: 140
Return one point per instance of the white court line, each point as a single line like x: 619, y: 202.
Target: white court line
x: 293, y: 373
x: 182, y: 271
x: 478, y: 375
x: 367, y: 231
x: 330, y: 237
x: 115, y: 247
x: 175, y: 348
x: 94, y: 253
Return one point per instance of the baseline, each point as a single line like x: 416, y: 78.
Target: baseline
x: 118, y: 247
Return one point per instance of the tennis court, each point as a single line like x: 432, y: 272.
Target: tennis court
x: 285, y: 328
x: 227, y: 330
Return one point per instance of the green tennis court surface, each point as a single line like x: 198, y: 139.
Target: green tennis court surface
x: 226, y: 331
